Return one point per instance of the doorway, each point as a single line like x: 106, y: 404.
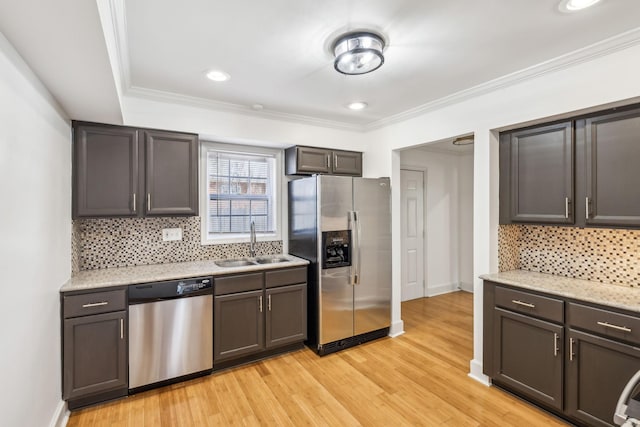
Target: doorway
x: 413, y: 234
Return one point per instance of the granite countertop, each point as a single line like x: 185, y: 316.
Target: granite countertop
x: 619, y: 296
x: 122, y: 276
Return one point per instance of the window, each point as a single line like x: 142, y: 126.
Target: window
x: 240, y: 188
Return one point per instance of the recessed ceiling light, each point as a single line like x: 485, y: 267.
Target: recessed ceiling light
x: 575, y: 5
x: 359, y: 105
x: 218, y: 76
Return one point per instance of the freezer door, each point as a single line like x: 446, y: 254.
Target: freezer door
x: 335, y: 201
x: 336, y: 305
x: 372, y: 292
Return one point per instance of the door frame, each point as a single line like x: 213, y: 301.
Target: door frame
x: 423, y: 170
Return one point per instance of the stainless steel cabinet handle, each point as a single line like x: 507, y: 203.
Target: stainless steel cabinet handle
x: 555, y: 344
x: 612, y: 326
x: 269, y: 301
x: 571, y: 354
x: 335, y: 161
x: 328, y: 162
x: 134, y: 202
x: 586, y: 208
x: 526, y: 304
x: 121, y: 329
x: 95, y: 304
x: 148, y: 201
x: 566, y: 207
x: 260, y: 302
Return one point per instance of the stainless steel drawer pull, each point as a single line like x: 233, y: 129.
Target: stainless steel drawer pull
x: 571, y: 349
x: 526, y: 304
x: 95, y: 304
x: 612, y: 326
x: 555, y: 344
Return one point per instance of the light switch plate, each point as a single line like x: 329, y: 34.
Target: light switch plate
x: 171, y: 234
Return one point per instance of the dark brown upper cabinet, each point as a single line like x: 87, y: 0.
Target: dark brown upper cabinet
x: 122, y: 171
x: 300, y: 160
x: 536, y: 172
x: 611, y: 153
x: 105, y: 171
x: 171, y: 173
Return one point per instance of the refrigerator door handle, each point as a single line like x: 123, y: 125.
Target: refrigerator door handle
x: 356, y: 247
x: 353, y: 227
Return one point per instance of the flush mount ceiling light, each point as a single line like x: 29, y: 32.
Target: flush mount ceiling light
x: 575, y: 5
x: 358, y: 53
x: 218, y: 76
x: 358, y: 105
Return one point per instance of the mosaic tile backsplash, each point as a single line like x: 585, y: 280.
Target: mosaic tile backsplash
x: 124, y: 242
x: 601, y: 255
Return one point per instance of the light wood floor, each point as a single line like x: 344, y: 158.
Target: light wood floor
x: 419, y: 378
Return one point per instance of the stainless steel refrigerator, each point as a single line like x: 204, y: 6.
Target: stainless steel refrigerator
x: 342, y: 225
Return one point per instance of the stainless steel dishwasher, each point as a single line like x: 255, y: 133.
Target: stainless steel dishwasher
x: 170, y: 331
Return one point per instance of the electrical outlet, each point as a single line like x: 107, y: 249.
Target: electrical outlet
x: 171, y: 234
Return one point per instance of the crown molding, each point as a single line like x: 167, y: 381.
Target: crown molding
x: 193, y: 101
x: 596, y: 50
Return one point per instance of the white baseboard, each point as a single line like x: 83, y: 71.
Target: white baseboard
x: 444, y: 288
x: 467, y: 287
x: 475, y: 368
x: 60, y: 416
x: 396, y: 329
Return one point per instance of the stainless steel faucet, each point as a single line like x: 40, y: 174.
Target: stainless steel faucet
x: 252, y: 240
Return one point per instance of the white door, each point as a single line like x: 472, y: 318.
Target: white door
x: 412, y: 212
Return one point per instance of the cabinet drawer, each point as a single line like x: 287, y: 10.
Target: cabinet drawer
x: 237, y: 283
x: 94, y: 303
x: 531, y: 304
x: 290, y: 276
x: 604, y: 322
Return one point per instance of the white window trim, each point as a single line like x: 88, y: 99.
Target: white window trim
x: 279, y: 196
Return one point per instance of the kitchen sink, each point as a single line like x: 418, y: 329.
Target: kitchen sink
x: 270, y: 259
x: 240, y: 262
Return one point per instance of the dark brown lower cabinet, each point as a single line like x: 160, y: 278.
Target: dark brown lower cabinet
x: 571, y: 357
x: 95, y: 355
x: 269, y: 314
x: 597, y: 371
x: 286, y: 315
x: 238, y: 321
x: 529, y: 356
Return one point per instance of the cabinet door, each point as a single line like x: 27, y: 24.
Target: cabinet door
x: 528, y: 356
x: 541, y: 174
x: 286, y: 315
x: 95, y: 354
x: 105, y: 171
x: 597, y: 371
x: 312, y: 160
x: 612, y: 172
x: 347, y: 163
x: 171, y: 176
x: 238, y: 325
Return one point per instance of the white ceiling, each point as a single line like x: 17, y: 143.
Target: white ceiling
x: 278, y: 52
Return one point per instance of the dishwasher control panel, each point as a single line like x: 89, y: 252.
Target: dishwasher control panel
x: 189, y: 286
x: 149, y: 292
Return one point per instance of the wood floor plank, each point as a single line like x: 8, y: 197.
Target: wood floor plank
x: 417, y: 379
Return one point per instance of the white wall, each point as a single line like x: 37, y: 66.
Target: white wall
x: 35, y: 253
x: 446, y: 194
x: 465, y: 221
x: 583, y: 85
